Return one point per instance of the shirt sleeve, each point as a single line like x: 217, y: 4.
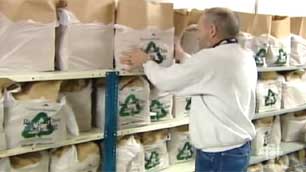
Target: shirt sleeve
x: 187, y: 78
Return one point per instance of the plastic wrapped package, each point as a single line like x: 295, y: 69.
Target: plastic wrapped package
x: 93, y: 25
x: 255, y: 168
x: 30, y: 162
x: 161, y: 105
x: 179, y: 146
x: 137, y: 28
x: 155, y: 148
x: 181, y: 106
x: 130, y: 155
x: 27, y: 35
x: 298, y: 51
x: 134, y: 103
x: 76, y: 158
x: 293, y: 126
x: 268, y: 136
x: 33, y: 114
x: 78, y: 98
x: 269, y: 93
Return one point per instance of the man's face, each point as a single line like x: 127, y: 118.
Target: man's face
x: 205, y: 33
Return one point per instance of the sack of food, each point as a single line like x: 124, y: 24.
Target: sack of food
x: 255, y: 168
x: 161, y: 105
x: 78, y: 98
x: 145, y: 25
x: 268, y: 136
x: 181, y: 106
x: 269, y: 92
x: 293, y: 126
x: 155, y: 148
x: 179, y: 146
x: 30, y: 162
x: 134, y: 103
x: 85, y: 36
x: 130, y: 155
x: 33, y: 114
x: 27, y: 35
x: 294, y: 93
x: 76, y: 158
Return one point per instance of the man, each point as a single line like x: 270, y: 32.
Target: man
x: 221, y: 78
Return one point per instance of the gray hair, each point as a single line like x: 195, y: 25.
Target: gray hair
x: 226, y: 21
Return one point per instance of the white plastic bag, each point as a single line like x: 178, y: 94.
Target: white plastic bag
x: 37, y: 121
x: 157, y: 43
x: 130, y: 155
x: 298, y: 51
x: 293, y: 126
x: 31, y: 162
x: 84, y: 46
x: 182, y: 106
x: 179, y: 146
x: 161, y: 105
x: 76, y: 158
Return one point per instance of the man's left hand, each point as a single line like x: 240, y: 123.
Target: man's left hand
x: 134, y: 59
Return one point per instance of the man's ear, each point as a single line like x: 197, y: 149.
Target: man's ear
x: 213, y: 31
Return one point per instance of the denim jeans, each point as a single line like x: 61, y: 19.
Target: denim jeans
x: 235, y: 160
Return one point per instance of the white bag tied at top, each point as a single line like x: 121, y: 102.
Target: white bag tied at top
x: 27, y: 35
x: 161, y: 105
x: 181, y: 106
x: 31, y: 162
x: 130, y: 155
x: 33, y: 116
x: 86, y: 35
x: 268, y: 136
x: 293, y: 126
x: 78, y: 97
x: 76, y: 158
x: 269, y: 93
x: 156, y: 154
x: 179, y: 146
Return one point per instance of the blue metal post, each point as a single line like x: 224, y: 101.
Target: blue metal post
x: 110, y: 131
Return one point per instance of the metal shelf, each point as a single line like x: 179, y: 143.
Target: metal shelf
x: 93, y: 135
x: 286, y: 148
x: 281, y: 68
x: 280, y: 112
x: 155, y: 126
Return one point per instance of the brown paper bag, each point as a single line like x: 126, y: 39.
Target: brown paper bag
x: 86, y: 149
x: 246, y: 21
x: 36, y: 90
x: 298, y: 26
x: 42, y: 11
x: 280, y: 27
x: 184, y: 18
x: 149, y: 138
x: 139, y: 14
x: 24, y: 160
x: 91, y: 11
x: 261, y: 25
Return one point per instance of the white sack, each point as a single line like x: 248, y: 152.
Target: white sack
x: 293, y: 127
x: 268, y: 95
x: 5, y: 165
x: 294, y: 93
x: 156, y: 156
x: 182, y: 106
x: 161, y: 105
x: 38, y: 164
x: 190, y: 41
x: 298, y: 51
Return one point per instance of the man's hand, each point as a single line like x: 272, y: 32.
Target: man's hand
x: 135, y: 58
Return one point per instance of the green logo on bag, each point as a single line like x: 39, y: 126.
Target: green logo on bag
x: 185, y: 153
x: 155, y: 52
x: 158, y: 108
x: 282, y: 57
x: 260, y: 55
x: 188, y: 104
x: 270, y: 99
x: 40, y: 125
x: 130, y: 107
x: 152, y: 161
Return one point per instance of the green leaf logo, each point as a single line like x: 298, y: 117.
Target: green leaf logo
x: 188, y: 104
x: 39, y: 126
x: 185, y: 153
x: 260, y: 55
x: 282, y: 57
x: 152, y: 161
x: 130, y: 107
x: 158, y: 108
x: 155, y: 52
x: 270, y: 99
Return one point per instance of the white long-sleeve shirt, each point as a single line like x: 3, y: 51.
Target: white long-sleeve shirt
x: 222, y: 83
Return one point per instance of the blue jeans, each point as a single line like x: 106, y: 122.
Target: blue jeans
x: 235, y: 160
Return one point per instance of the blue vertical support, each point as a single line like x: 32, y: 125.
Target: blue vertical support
x: 110, y: 130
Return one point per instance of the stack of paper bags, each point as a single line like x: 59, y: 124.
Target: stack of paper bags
x: 85, y: 36
x: 145, y: 25
x: 27, y: 35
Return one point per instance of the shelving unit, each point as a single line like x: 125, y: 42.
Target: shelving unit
x: 281, y: 68
x: 279, y: 112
